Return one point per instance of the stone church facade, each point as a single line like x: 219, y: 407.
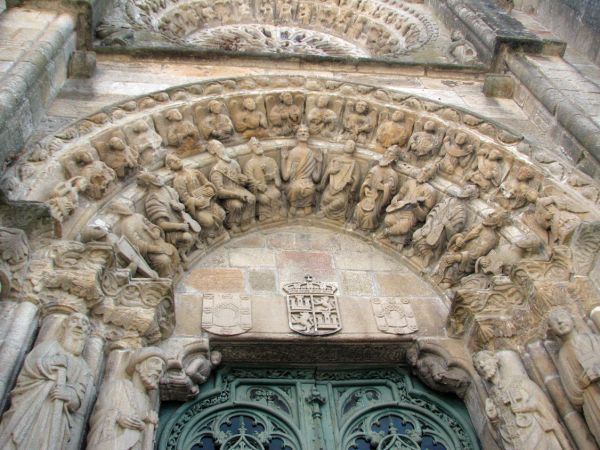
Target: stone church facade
x: 299, y: 225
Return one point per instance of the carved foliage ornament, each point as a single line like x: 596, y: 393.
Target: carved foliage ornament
x: 313, y: 307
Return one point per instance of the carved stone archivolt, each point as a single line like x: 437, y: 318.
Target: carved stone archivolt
x: 453, y: 193
x: 348, y: 28
x: 143, y: 189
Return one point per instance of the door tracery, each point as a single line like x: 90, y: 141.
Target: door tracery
x: 311, y: 409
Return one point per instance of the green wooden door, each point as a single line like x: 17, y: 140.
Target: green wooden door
x: 316, y: 409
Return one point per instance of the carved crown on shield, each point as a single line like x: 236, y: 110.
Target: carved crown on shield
x: 309, y: 286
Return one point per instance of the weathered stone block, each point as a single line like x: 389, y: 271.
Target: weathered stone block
x: 496, y: 85
x: 356, y: 283
x: 393, y: 284
x: 252, y: 257
x: 82, y: 64
x: 216, y: 280
x: 262, y: 280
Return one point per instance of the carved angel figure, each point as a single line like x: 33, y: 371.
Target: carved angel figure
x: 249, y: 119
x: 84, y: 162
x: 120, y: 157
x: 50, y: 389
x: 339, y: 184
x: 181, y: 133
x: 124, y: 418
x: 489, y: 169
x: 198, y: 195
x: 321, y: 119
x: 265, y: 181
x: 461, y: 49
x: 145, y: 140
x: 215, y: 124
x: 579, y: 366
x: 519, y: 190
x: 396, y: 131
x: 285, y: 115
x: 380, y: 184
x: 301, y: 167
x: 359, y: 122
x: 518, y: 409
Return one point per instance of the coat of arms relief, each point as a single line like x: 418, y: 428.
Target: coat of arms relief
x: 313, y: 307
x: 226, y: 314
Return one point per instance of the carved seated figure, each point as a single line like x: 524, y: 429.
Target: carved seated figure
x: 285, y: 116
x: 457, y: 154
x: 301, y: 168
x: 198, y: 195
x: 359, y: 124
x: 464, y: 249
x: 380, y: 184
x: 339, y: 184
x: 424, y: 144
x: 147, y: 238
x: 120, y: 157
x: 230, y: 182
x: 408, y: 208
x: 83, y: 162
x: 265, y: 181
x: 163, y: 208
x: 461, y: 49
x: 396, y: 131
x: 216, y: 124
x: 321, y: 119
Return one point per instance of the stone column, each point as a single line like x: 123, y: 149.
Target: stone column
x: 544, y: 366
x: 16, y: 343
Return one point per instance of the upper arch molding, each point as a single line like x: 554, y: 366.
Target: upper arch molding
x: 456, y: 193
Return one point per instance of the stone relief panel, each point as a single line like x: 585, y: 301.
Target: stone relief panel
x: 440, y: 194
x: 389, y: 29
x: 313, y: 307
x: 226, y: 314
x: 394, y: 315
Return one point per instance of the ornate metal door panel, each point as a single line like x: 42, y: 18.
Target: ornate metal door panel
x: 316, y: 409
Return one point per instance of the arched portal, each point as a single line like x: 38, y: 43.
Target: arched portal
x: 480, y: 238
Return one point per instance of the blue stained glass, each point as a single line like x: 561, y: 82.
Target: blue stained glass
x: 429, y: 444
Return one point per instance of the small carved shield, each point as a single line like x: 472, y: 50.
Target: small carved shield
x: 394, y: 315
x: 313, y: 307
x: 226, y: 314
